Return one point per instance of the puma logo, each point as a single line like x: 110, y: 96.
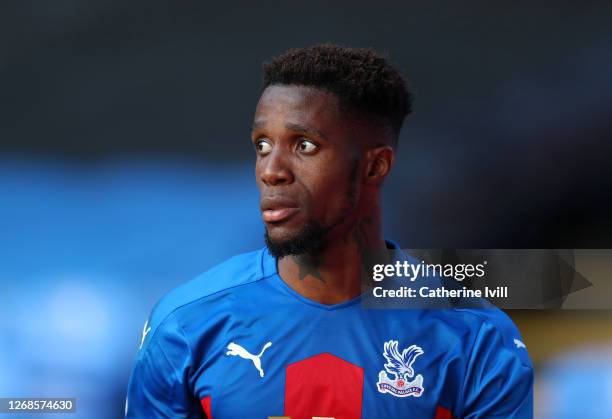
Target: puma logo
x: 237, y: 350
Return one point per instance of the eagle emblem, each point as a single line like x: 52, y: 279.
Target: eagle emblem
x: 399, y: 365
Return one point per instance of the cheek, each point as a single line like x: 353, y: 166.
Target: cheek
x: 259, y: 168
x: 257, y: 175
x: 329, y: 194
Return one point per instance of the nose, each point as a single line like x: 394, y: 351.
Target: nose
x: 275, y: 171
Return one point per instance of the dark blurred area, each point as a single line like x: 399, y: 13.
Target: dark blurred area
x: 126, y: 166
x: 508, y: 146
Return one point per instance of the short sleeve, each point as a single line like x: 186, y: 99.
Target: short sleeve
x: 158, y: 385
x: 498, y: 381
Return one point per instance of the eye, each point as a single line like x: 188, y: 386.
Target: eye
x: 307, y: 146
x: 263, y: 146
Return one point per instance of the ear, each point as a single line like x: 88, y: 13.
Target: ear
x: 379, y: 162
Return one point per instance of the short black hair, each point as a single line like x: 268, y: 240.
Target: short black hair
x: 362, y: 80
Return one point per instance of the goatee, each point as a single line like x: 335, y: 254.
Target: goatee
x: 308, y: 240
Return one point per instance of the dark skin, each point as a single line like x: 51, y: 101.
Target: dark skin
x: 316, y: 162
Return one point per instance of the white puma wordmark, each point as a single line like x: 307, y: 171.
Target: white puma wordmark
x: 237, y: 350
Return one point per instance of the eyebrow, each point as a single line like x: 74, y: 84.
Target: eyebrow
x: 295, y: 127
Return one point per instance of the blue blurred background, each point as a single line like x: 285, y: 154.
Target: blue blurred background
x: 125, y: 165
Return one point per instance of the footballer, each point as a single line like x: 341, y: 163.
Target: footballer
x: 281, y: 332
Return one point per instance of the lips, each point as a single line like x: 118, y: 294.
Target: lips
x: 278, y: 209
x: 278, y: 215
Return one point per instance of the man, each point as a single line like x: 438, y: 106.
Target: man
x: 281, y: 331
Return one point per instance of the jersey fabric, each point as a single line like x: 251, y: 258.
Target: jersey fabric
x: 237, y: 342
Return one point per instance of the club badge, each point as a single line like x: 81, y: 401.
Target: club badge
x: 400, y: 367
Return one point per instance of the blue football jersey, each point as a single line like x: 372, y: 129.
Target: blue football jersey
x: 237, y: 342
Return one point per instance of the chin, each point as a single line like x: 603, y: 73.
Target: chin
x: 280, y: 234
x: 283, y: 241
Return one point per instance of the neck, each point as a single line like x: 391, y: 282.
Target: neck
x: 334, y: 273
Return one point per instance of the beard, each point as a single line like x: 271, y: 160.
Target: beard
x: 312, y: 237
x: 308, y: 240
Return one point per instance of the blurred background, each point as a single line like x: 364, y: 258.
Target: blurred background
x: 126, y: 167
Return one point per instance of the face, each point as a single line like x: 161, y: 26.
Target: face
x: 308, y: 160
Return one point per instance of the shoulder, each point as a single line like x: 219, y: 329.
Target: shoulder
x: 472, y: 325
x: 499, y: 376
x: 492, y: 320
x: 238, y: 271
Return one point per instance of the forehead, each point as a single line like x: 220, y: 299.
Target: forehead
x: 300, y: 104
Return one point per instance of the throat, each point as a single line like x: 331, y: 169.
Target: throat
x: 333, y: 276
x: 317, y: 283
